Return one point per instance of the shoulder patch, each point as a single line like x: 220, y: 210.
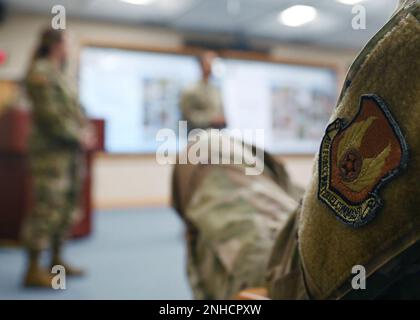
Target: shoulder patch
x: 357, y: 159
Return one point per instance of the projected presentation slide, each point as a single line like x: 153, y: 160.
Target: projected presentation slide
x: 138, y: 93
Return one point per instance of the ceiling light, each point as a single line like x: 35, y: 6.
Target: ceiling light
x: 350, y: 2
x: 296, y: 16
x: 138, y: 2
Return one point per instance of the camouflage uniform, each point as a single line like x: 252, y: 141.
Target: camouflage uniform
x: 373, y: 158
x: 54, y: 155
x: 314, y: 255
x: 232, y: 221
x: 200, y: 105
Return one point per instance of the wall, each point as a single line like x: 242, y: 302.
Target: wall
x: 129, y: 181
x: 19, y: 33
x: 8, y: 92
x: 134, y: 180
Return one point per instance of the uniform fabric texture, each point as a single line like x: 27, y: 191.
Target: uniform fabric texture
x: 54, y: 156
x: 328, y: 248
x: 232, y: 222
x: 200, y: 105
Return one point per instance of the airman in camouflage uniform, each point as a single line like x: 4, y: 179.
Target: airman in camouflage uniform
x: 379, y: 106
x: 232, y: 219
x: 202, y: 105
x: 362, y: 206
x: 58, y: 133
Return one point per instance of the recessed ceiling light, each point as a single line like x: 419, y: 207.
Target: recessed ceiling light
x: 298, y: 15
x: 138, y: 2
x: 350, y: 2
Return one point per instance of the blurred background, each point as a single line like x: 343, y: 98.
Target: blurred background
x: 280, y: 68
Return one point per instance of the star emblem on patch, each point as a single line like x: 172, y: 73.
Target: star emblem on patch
x: 357, y: 158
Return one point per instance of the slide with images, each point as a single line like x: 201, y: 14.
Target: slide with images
x: 138, y: 93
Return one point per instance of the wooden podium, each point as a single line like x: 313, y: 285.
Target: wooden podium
x: 15, y: 179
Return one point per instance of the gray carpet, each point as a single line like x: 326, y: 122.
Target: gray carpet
x: 132, y: 254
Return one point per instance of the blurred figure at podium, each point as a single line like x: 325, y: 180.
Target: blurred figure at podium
x: 202, y: 105
x: 60, y: 131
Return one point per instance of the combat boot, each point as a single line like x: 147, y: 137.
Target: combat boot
x: 36, y: 276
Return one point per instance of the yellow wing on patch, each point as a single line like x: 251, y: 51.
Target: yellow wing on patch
x: 371, y: 169
x: 353, y: 136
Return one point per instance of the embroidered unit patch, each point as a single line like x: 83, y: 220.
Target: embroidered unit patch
x: 357, y: 159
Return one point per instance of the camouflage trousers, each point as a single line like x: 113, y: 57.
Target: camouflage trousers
x: 57, y: 180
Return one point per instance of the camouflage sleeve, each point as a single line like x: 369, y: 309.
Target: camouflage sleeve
x: 192, y: 112
x: 220, y: 106
x: 47, y: 102
x: 80, y: 113
x: 285, y: 279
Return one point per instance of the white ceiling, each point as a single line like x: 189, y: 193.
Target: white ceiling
x: 252, y: 18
